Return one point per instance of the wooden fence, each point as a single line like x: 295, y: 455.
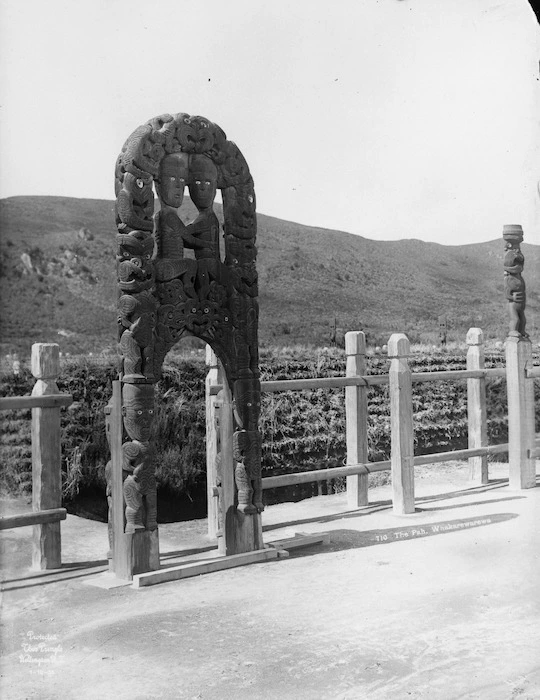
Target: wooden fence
x: 45, y: 402
x: 522, y: 446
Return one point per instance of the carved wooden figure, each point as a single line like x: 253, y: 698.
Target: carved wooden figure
x: 164, y: 295
x: 513, y: 281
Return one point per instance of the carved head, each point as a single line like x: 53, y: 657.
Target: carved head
x: 172, y: 179
x: 138, y: 410
x: 203, y: 177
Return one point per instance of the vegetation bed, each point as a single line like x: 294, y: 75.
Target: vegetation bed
x: 302, y: 430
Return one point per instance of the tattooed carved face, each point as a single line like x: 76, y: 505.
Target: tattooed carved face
x: 138, y: 410
x: 173, y: 177
x: 203, y: 176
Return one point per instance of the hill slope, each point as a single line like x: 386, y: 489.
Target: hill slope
x: 58, y: 280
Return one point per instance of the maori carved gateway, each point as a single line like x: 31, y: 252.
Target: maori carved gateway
x: 165, y: 295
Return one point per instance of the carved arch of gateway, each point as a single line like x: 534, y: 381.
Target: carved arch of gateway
x: 164, y: 296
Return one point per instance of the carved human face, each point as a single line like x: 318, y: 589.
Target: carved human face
x: 138, y: 410
x: 203, y: 177
x: 173, y: 177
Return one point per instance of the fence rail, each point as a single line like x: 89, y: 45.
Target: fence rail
x: 52, y: 515
x: 271, y: 482
x: 523, y: 446
x: 11, y: 403
x: 366, y: 380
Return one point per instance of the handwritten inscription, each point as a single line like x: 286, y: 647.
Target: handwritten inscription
x: 426, y: 530
x: 41, y: 651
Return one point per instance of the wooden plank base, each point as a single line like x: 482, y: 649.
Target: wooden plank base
x: 301, y: 540
x: 174, y: 573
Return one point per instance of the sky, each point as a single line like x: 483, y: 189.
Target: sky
x: 386, y: 118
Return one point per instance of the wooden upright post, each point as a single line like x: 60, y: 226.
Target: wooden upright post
x: 241, y: 532
x: 476, y: 406
x: 212, y: 378
x: 401, y: 425
x: 521, y: 437
x: 356, y: 418
x: 132, y: 552
x: 46, y: 457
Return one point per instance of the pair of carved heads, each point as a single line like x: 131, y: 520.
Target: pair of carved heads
x: 197, y: 171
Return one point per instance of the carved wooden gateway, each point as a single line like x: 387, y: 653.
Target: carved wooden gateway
x: 165, y: 295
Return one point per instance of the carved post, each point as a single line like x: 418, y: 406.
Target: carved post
x: 242, y: 531
x: 443, y: 330
x: 356, y: 418
x: 46, y: 457
x: 401, y: 425
x: 213, y: 377
x: 518, y: 348
x: 476, y: 406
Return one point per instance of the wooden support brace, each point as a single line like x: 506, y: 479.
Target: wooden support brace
x: 174, y: 573
x: 300, y: 540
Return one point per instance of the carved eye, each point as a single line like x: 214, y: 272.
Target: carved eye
x: 207, y: 183
x: 226, y: 318
x: 139, y: 412
x: 250, y: 199
x: 197, y: 182
x: 249, y: 404
x: 151, y: 411
x: 194, y: 310
x: 140, y: 183
x: 137, y: 262
x: 206, y: 310
x: 172, y: 178
x: 125, y: 254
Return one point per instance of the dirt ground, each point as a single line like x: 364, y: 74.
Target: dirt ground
x: 440, y: 604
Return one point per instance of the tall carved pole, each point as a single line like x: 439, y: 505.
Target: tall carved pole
x: 164, y: 296
x: 518, y: 347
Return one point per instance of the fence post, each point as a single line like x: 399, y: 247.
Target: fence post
x: 521, y: 436
x: 46, y: 457
x: 356, y: 418
x: 476, y: 406
x: 212, y: 378
x: 401, y: 425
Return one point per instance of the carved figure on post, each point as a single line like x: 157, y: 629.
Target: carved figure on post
x: 513, y: 281
x: 139, y: 487
x: 170, y: 231
x: 247, y: 443
x: 204, y: 230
